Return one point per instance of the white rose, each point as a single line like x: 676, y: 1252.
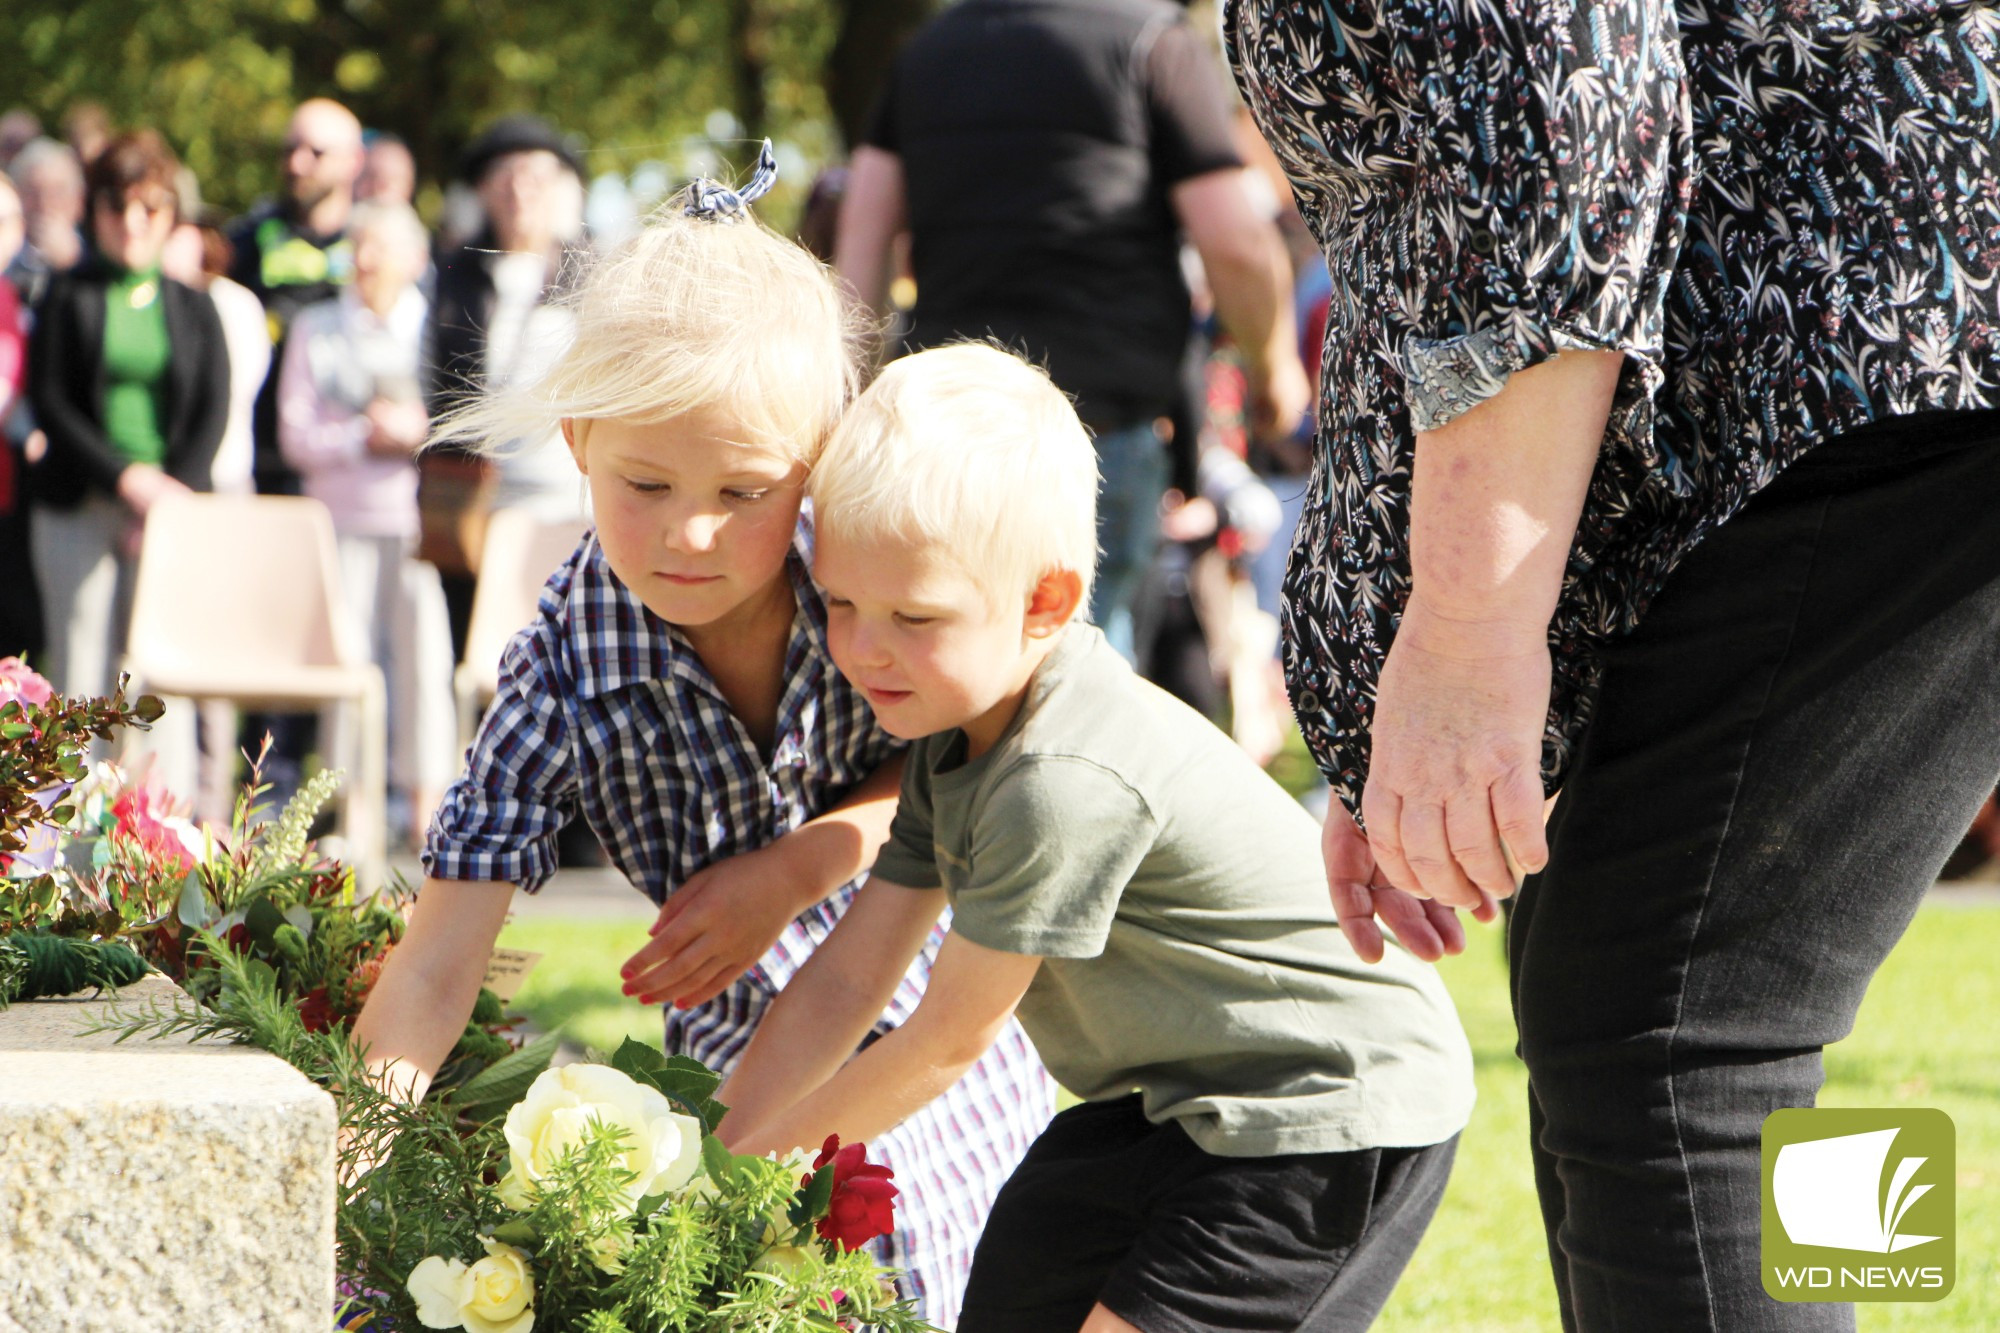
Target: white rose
x: 491, y: 1296
x: 607, y: 1253
x: 498, y: 1291
x: 437, y: 1285
x: 662, y: 1147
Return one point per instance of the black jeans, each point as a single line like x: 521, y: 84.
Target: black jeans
x: 1781, y: 757
x: 1108, y: 1207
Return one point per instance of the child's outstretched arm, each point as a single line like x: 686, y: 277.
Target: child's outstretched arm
x: 419, y: 1006
x: 829, y: 1005
x: 727, y: 916
x: 972, y: 993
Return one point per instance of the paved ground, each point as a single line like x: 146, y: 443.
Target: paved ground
x: 572, y: 893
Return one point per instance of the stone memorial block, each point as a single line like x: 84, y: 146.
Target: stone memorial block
x: 158, y: 1184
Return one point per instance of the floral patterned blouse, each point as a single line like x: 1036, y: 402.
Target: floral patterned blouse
x: 1785, y: 213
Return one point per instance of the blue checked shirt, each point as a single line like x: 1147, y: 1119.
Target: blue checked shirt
x: 603, y: 707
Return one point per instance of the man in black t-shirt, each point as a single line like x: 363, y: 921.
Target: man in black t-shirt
x: 1046, y: 157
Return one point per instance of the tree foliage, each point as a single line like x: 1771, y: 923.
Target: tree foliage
x: 633, y: 78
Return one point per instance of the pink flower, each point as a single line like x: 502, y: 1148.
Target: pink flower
x: 141, y: 815
x: 19, y: 681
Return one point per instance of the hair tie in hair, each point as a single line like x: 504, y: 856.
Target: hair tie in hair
x: 715, y: 201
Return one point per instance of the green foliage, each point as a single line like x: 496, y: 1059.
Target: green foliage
x: 488, y: 1094
x: 633, y: 77
x: 38, y: 964
x: 43, y: 750
x: 687, y: 1083
x: 282, y: 849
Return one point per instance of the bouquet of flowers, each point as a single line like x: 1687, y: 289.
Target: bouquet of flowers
x: 613, y: 1208
x: 100, y: 860
x: 593, y: 1197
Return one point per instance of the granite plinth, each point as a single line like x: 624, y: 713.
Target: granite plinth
x: 158, y: 1184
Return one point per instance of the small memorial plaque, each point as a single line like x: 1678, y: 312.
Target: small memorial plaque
x: 507, y: 970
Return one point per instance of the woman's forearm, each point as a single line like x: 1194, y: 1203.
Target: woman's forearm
x: 1496, y: 495
x: 1453, y: 801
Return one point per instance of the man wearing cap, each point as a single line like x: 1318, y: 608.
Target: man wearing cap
x: 293, y: 251
x: 492, y: 323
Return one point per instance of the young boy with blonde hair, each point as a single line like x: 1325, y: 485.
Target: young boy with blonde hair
x: 1268, y: 1121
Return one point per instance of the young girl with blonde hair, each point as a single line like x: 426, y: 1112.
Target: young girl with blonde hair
x: 675, y: 690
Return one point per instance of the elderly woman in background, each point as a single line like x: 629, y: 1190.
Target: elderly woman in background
x: 350, y: 420
x: 129, y: 377
x: 497, y: 321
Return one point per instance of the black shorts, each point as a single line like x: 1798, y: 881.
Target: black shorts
x: 1108, y: 1207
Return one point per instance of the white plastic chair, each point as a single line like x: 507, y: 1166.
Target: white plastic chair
x: 238, y: 598
x: 520, y: 552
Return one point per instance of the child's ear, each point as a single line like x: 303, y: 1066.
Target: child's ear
x: 572, y: 431
x: 1056, y: 598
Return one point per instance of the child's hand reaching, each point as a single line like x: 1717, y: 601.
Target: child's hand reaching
x: 1363, y: 897
x: 722, y: 920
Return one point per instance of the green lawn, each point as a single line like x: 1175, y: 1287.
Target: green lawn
x: 1926, y: 1037
x: 575, y: 985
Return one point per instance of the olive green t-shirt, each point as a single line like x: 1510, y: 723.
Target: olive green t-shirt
x: 1175, y: 895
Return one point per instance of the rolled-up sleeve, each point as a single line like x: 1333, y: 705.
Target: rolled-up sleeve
x: 499, y: 821
x: 1553, y: 193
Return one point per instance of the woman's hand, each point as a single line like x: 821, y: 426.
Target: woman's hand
x: 141, y: 486
x: 1454, y: 783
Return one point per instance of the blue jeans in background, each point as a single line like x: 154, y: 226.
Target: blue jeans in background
x: 1133, y: 463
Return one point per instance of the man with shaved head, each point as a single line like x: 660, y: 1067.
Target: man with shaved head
x: 293, y: 251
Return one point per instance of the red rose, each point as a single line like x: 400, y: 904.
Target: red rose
x: 863, y: 1204
x: 314, y: 1011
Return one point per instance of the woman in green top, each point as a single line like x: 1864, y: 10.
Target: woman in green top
x: 130, y: 380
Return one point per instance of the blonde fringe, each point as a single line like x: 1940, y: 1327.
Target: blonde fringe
x: 969, y: 450
x: 689, y: 315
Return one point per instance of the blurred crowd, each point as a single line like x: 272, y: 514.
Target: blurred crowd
x: 151, y: 345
